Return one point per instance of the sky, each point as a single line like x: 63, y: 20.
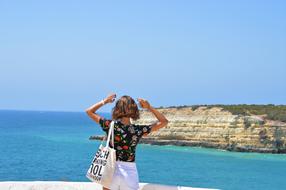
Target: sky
x: 67, y: 55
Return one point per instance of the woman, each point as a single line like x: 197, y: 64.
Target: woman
x: 126, y: 136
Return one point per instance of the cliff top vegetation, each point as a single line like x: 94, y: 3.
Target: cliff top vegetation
x: 271, y: 111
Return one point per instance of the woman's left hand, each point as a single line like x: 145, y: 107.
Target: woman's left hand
x: 144, y: 103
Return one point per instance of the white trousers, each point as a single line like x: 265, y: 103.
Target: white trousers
x: 125, y: 176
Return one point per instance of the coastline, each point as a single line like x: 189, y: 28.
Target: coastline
x: 162, y: 142
x: 237, y: 128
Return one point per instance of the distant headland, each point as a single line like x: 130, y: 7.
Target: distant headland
x: 245, y: 128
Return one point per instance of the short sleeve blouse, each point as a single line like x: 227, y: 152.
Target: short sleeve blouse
x: 126, y: 138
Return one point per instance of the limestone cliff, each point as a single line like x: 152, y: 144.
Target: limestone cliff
x: 217, y: 128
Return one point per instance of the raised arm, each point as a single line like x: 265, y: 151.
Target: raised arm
x: 92, y: 109
x: 162, y: 119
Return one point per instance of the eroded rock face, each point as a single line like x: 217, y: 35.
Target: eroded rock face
x: 218, y: 129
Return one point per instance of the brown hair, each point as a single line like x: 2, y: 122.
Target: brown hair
x: 125, y: 107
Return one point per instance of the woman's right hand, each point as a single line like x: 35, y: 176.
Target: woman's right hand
x: 110, y: 98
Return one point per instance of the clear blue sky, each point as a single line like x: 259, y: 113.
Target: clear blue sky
x: 67, y: 55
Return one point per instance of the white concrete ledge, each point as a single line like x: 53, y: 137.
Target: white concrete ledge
x: 61, y: 185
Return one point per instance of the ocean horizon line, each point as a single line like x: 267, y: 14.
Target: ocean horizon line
x: 157, y: 107
x: 55, y: 111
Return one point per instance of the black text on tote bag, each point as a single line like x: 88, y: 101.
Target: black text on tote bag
x: 103, y: 164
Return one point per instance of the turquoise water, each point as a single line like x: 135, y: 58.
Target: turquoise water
x: 55, y: 146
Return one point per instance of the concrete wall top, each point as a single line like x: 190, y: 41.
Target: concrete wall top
x: 61, y: 185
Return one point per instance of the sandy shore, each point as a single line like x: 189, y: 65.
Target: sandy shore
x: 60, y: 185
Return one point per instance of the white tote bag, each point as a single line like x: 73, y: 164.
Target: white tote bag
x: 103, y: 164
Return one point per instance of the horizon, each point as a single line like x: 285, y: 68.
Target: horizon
x: 62, y: 55
x: 160, y: 107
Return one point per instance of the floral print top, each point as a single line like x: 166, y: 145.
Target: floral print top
x: 126, y: 138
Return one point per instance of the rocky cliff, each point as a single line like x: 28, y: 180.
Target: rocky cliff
x: 217, y: 128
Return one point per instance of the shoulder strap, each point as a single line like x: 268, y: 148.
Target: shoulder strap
x: 110, y: 134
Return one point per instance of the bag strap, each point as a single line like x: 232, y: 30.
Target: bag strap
x: 110, y: 134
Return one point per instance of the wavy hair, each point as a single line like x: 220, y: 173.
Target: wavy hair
x: 125, y: 107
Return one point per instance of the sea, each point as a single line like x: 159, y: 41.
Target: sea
x: 55, y: 146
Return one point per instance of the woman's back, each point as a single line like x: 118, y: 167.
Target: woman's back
x: 126, y: 138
